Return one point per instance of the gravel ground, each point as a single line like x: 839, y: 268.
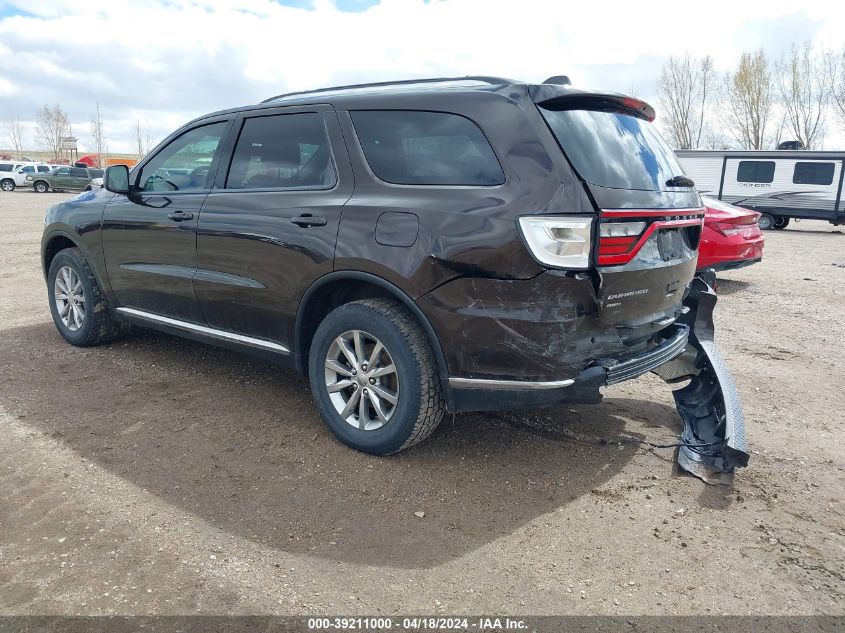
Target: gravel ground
x: 159, y: 476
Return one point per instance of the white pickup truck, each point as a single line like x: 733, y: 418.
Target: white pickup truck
x: 16, y: 177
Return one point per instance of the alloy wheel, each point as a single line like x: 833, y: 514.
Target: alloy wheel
x: 7, y: 186
x: 69, y: 296
x: 361, y: 380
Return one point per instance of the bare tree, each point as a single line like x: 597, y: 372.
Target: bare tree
x: 683, y: 89
x: 715, y: 138
x: 15, y: 134
x: 143, y: 139
x: 97, y: 136
x: 835, y: 73
x: 51, y: 125
x: 749, y: 100
x: 804, y: 94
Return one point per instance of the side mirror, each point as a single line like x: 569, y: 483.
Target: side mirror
x: 116, y: 179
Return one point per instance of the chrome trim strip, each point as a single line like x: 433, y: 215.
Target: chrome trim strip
x: 486, y: 383
x: 207, y: 331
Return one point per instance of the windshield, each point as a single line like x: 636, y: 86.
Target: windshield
x: 612, y: 149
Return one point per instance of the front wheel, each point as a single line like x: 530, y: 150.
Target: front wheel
x: 77, y: 304
x: 766, y: 221
x: 374, y: 377
x: 41, y: 187
x: 7, y: 185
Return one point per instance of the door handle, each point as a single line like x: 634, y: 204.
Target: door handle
x: 180, y: 216
x: 307, y: 220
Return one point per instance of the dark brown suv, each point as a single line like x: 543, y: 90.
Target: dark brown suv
x: 416, y: 248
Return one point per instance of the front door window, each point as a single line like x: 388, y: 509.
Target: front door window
x: 183, y: 165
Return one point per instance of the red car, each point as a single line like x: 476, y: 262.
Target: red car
x: 731, y: 237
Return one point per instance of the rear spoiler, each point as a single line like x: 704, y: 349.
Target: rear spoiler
x: 558, y: 97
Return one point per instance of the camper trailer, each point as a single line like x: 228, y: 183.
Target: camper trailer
x: 779, y: 184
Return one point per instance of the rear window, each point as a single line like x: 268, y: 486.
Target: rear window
x: 813, y: 174
x: 408, y: 147
x: 614, y: 149
x: 755, y: 171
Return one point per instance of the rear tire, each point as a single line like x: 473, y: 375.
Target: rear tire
x: 766, y: 221
x: 374, y: 350
x: 7, y: 185
x: 77, y: 304
x: 781, y: 223
x: 41, y: 187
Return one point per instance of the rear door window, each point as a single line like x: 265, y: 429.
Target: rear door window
x: 78, y: 172
x: 614, y: 149
x: 5, y: 167
x: 755, y: 171
x: 813, y: 174
x: 408, y: 147
x: 283, y: 151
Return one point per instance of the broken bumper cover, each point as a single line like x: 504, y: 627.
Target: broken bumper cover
x: 713, y: 440
x: 494, y: 395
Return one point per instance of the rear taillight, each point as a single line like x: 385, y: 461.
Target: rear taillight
x: 558, y: 241
x: 726, y: 229
x: 736, y: 224
x: 622, y: 233
x: 618, y: 238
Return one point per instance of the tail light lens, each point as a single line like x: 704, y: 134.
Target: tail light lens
x: 738, y: 224
x: 618, y: 238
x: 623, y: 232
x: 622, y: 229
x: 558, y: 241
x: 726, y: 229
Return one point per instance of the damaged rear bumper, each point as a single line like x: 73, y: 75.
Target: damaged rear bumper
x: 713, y: 440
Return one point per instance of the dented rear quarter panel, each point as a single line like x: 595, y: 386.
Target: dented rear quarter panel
x: 463, y: 231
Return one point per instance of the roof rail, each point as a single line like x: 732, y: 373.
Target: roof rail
x: 493, y: 81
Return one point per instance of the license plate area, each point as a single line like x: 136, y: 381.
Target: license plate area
x: 671, y: 244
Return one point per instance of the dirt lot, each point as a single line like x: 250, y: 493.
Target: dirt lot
x: 155, y: 475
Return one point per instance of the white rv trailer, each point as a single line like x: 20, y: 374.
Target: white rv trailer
x: 780, y: 184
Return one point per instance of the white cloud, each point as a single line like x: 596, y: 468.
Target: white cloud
x: 166, y: 61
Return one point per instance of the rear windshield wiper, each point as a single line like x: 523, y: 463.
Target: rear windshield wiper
x: 679, y: 181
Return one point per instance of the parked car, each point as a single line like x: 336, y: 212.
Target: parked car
x: 64, y: 179
x: 7, y: 174
x: 731, y: 237
x: 20, y: 174
x: 414, y: 248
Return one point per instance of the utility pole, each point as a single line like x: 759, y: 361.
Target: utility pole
x: 99, y: 138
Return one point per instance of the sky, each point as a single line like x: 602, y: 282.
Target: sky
x: 164, y: 62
